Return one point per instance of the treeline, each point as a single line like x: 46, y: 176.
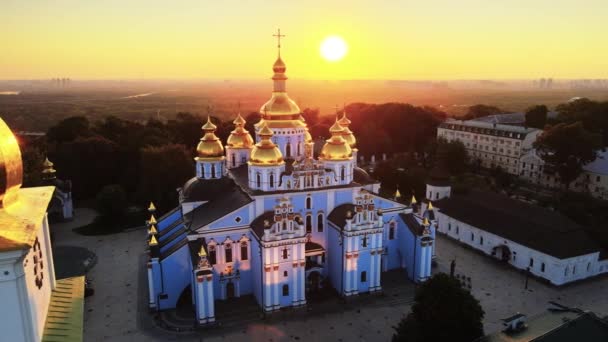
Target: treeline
x: 149, y: 160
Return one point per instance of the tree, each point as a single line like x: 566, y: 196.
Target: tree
x: 111, y: 203
x: 536, y: 116
x: 567, y: 147
x: 442, y: 311
x: 480, y: 110
x: 163, y: 170
x: 69, y: 129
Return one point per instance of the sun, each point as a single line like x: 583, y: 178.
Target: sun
x: 333, y: 48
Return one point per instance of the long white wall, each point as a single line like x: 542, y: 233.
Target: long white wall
x: 557, y: 271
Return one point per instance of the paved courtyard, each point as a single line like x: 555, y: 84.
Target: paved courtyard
x: 501, y: 291
x: 118, y: 310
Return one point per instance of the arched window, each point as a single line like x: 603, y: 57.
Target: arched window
x: 244, y: 251
x: 437, y: 195
x: 284, y: 225
x: 233, y: 160
x: 342, y: 173
x: 212, y: 170
x: 308, y: 224
x: 299, y: 149
x: 211, y: 256
x: 363, y: 276
x: 288, y: 150
x: 308, y: 202
x: 228, y: 252
x: 272, y: 180
x: 285, y: 253
x: 320, y: 223
x: 285, y: 290
x: 391, y: 231
x: 258, y: 180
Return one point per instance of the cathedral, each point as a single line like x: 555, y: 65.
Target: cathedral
x: 269, y: 218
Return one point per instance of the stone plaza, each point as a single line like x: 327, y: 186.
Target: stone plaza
x: 118, y: 311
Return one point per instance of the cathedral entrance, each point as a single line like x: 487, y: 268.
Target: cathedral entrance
x: 314, y: 281
x: 230, y: 290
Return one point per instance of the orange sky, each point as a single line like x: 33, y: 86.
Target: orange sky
x: 388, y: 39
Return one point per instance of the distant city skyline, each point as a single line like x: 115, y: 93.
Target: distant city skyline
x: 434, y: 40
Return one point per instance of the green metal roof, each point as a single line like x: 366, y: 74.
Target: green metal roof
x: 64, y: 319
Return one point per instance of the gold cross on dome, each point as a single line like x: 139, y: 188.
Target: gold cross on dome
x: 279, y: 36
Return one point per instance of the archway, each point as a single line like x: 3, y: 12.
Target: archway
x: 185, y: 306
x: 314, y: 282
x: 501, y: 252
x: 230, y: 290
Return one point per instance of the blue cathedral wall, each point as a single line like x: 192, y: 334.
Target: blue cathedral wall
x: 177, y: 274
x: 256, y: 270
x: 334, y: 258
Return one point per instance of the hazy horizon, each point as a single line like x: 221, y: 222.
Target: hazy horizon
x: 431, y: 40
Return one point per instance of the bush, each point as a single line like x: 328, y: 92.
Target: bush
x: 111, y: 203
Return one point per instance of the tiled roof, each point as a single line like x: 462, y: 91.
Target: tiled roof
x: 64, y: 320
x: 338, y: 215
x: 599, y: 165
x: 412, y: 224
x: 532, y: 226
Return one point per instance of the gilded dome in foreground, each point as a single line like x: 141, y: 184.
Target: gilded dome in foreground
x: 239, y: 137
x: 210, y: 147
x: 266, y: 153
x: 336, y: 148
x: 11, y: 167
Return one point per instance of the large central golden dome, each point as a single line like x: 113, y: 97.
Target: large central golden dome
x: 280, y: 106
x: 266, y: 153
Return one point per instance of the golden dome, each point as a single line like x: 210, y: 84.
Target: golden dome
x: 336, y: 148
x: 349, y: 137
x: 48, y: 172
x: 347, y: 134
x: 279, y: 66
x: 239, y: 120
x: 266, y: 153
x: 344, y: 121
x: 239, y: 137
x: 11, y: 167
x: 307, y: 136
x: 336, y: 128
x: 210, y: 147
x: 279, y: 104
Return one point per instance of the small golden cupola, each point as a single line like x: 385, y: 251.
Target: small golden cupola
x: 265, y: 152
x: 210, y: 147
x: 48, y: 172
x: 336, y: 148
x: 347, y: 134
x: 239, y: 137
